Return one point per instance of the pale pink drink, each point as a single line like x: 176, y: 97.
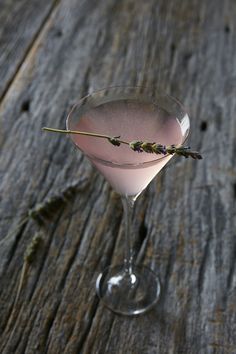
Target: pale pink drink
x: 133, y: 114
x: 128, y: 171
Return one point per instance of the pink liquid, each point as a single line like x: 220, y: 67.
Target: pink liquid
x: 128, y: 172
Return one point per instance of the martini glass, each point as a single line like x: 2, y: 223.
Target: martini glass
x: 132, y: 113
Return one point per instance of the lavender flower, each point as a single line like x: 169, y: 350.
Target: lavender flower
x: 139, y: 146
x: 114, y: 140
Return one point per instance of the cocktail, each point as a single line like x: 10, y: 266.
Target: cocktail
x: 128, y: 114
x: 129, y: 134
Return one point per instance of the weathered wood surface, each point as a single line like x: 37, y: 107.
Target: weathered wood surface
x: 20, y: 24
x: 185, y: 220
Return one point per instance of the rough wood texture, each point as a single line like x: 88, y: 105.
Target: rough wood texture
x: 20, y: 23
x: 185, y: 221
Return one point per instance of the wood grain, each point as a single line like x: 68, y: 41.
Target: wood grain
x: 21, y: 22
x: 184, y: 222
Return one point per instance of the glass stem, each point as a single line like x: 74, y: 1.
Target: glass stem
x: 128, y: 204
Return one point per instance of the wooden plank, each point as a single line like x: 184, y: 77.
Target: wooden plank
x: 20, y: 22
x: 185, y: 223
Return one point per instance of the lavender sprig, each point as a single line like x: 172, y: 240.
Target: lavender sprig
x: 139, y: 146
x: 155, y: 148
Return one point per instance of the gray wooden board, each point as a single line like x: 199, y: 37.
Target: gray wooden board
x: 185, y: 220
x: 20, y: 24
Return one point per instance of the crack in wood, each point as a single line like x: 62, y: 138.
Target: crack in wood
x: 172, y: 51
x: 18, y: 236
x: 230, y: 277
x: 180, y: 333
x: 168, y: 272
x: 86, y: 82
x: 234, y: 190
x: 44, y: 343
x: 92, y: 314
x: 203, y: 265
x: 113, y: 320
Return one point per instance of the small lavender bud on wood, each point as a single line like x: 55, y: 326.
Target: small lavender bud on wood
x: 32, y: 248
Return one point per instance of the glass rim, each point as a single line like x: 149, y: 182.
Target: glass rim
x: 127, y: 165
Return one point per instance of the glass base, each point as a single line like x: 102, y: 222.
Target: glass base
x: 128, y: 293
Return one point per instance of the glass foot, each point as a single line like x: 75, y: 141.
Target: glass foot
x: 128, y: 293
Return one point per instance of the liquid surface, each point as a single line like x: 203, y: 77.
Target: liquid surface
x: 129, y: 172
